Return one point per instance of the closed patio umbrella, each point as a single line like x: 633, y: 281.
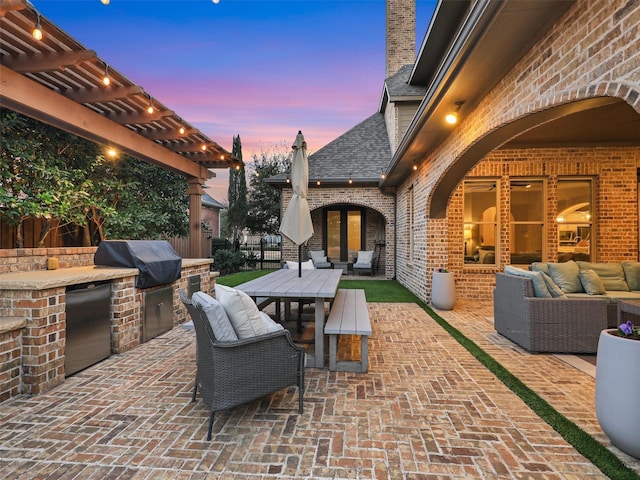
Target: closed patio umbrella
x: 296, y: 224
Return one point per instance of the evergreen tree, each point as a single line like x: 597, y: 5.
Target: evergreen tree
x: 237, y: 195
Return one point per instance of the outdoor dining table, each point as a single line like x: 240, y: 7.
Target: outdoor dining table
x: 318, y: 285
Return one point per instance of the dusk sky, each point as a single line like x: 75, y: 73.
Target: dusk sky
x: 263, y: 69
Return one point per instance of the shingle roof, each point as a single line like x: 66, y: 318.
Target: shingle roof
x: 396, y: 85
x: 209, y: 201
x: 360, y: 153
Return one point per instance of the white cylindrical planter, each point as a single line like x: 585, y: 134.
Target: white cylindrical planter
x: 443, y: 290
x: 618, y: 390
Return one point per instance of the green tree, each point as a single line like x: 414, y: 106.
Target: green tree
x: 237, y: 195
x: 66, y: 181
x: 264, y: 200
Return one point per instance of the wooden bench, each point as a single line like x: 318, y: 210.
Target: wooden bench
x: 349, y: 316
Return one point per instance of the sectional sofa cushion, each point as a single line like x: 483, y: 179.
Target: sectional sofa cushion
x: 566, y: 276
x: 553, y: 288
x: 218, y: 318
x: 632, y: 274
x: 540, y: 289
x: 612, y: 274
x: 591, y: 282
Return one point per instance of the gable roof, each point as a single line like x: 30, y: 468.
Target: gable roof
x: 361, y: 153
x: 397, y: 88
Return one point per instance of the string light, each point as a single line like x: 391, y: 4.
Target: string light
x: 203, y: 147
x: 350, y: 180
x: 37, y: 29
x: 415, y: 166
x: 288, y: 179
x: 150, y: 107
x: 111, y: 152
x: 106, y: 80
x: 181, y: 130
x: 317, y: 181
x: 382, y: 174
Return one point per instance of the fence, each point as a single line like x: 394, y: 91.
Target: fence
x: 181, y: 245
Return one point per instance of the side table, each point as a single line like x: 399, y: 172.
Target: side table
x: 344, y: 266
x: 628, y: 306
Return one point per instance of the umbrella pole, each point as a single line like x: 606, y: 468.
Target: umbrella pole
x: 299, y: 260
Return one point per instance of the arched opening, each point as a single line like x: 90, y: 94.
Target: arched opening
x: 598, y: 121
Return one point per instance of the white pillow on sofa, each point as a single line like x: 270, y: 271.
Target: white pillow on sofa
x: 218, y: 319
x: 242, y: 311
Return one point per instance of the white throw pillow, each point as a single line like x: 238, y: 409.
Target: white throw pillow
x: 218, y: 319
x: 269, y: 324
x: 308, y: 265
x: 242, y: 311
x: 365, y: 256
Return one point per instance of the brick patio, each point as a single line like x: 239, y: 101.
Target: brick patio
x: 426, y: 409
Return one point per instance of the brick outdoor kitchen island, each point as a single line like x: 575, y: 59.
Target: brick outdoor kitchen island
x: 33, y: 314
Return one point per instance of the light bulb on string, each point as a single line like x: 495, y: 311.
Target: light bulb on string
x: 37, y: 29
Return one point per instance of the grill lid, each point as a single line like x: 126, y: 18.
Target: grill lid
x: 156, y: 260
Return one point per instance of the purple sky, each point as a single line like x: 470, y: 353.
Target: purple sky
x: 263, y: 69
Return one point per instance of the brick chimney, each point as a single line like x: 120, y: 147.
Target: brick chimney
x: 401, y: 34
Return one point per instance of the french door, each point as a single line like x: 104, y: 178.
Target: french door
x: 344, y: 230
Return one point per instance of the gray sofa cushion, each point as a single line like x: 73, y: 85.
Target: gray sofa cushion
x: 632, y: 274
x: 591, y: 282
x: 566, y: 276
x: 540, y: 289
x: 611, y: 274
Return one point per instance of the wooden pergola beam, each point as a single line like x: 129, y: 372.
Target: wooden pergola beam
x: 46, y: 62
x: 26, y: 96
x: 102, y: 95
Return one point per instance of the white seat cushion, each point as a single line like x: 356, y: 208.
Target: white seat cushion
x: 308, y: 265
x: 242, y: 311
x: 217, y: 316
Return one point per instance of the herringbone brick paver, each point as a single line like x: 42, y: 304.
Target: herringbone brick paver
x: 426, y: 410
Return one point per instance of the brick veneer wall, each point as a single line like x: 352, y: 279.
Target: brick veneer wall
x: 592, y: 51
x: 369, y: 197
x: 30, y: 259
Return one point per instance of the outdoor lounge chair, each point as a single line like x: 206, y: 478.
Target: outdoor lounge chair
x: 232, y: 373
x: 320, y: 260
x: 363, y: 263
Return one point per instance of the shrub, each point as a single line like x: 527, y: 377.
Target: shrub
x: 225, y: 261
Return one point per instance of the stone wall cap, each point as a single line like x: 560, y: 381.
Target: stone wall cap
x: 62, y: 277
x: 9, y: 324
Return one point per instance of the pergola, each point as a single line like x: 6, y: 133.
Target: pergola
x: 58, y: 81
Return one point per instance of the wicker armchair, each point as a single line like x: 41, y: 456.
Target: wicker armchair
x: 559, y: 325
x: 233, y: 373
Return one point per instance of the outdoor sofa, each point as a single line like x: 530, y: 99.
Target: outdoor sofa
x: 562, y: 307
